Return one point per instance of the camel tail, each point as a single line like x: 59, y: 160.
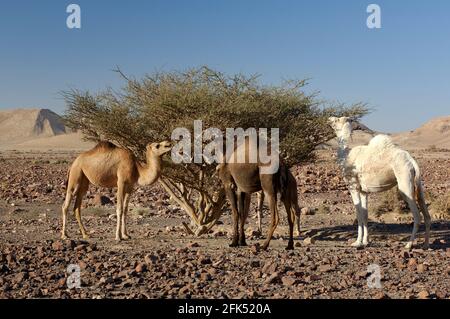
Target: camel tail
x: 283, y: 181
x: 418, y: 188
x: 420, y: 197
x: 288, y: 188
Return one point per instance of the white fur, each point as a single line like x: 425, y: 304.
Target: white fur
x: 377, y: 167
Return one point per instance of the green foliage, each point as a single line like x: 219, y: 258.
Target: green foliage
x: 148, y: 110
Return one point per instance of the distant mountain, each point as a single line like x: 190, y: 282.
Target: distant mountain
x: 44, y: 129
x: 22, y: 124
x: 435, y: 133
x: 36, y: 129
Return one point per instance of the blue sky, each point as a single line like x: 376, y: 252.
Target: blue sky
x: 402, y: 69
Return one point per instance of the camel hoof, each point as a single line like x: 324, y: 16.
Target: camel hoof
x: 64, y: 237
x: 85, y: 236
x: 242, y: 243
x: 290, y: 247
x: 118, y: 239
x: 409, y: 245
x: 357, y: 244
x: 233, y: 244
x: 426, y: 246
x: 126, y: 237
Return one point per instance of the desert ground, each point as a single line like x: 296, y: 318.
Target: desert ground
x: 161, y: 261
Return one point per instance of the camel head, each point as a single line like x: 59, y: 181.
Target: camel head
x: 159, y: 149
x: 341, y: 125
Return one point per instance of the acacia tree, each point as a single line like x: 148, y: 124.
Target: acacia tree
x: 149, y: 109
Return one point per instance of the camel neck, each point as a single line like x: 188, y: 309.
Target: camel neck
x: 343, y: 148
x: 150, y: 171
x: 153, y: 161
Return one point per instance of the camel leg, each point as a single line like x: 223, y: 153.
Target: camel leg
x: 297, y: 219
x: 83, y: 187
x: 356, y: 198
x: 425, y: 213
x: 274, y: 218
x: 119, y: 209
x: 65, y: 207
x: 291, y: 218
x: 126, y: 201
x: 244, y: 205
x: 365, y: 218
x: 232, y: 198
x: 407, y: 191
x: 296, y: 209
x: 259, y: 209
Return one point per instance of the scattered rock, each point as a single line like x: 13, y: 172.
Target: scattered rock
x: 325, y: 268
x: 140, y: 267
x: 101, y: 200
x: 269, y: 267
x: 423, y: 295
x: 421, y: 268
x: 309, y: 241
x: 308, y: 211
x: 288, y: 281
x: 381, y: 295
x: 205, y: 277
x: 151, y: 259
x: 193, y: 245
x: 20, y: 277
x: 273, y: 278
x: 412, y: 263
x: 58, y: 245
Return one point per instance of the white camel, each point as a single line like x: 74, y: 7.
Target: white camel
x: 375, y: 168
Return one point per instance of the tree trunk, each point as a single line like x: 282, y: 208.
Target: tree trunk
x: 203, y: 210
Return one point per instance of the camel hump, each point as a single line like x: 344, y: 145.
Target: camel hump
x: 104, y: 144
x: 101, y: 147
x: 381, y: 141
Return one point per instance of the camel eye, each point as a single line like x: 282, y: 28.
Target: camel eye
x: 157, y: 146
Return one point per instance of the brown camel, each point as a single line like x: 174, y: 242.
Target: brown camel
x: 240, y: 180
x: 260, y: 205
x: 107, y: 165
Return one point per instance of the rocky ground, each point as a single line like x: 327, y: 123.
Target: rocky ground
x: 161, y: 261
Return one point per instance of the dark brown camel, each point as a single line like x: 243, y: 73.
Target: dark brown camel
x: 240, y: 180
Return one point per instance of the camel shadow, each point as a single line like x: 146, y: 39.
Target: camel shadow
x: 440, y: 233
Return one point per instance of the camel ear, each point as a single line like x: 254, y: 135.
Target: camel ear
x: 331, y: 119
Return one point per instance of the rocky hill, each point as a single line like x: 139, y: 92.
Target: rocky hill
x: 36, y: 129
x: 433, y: 134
